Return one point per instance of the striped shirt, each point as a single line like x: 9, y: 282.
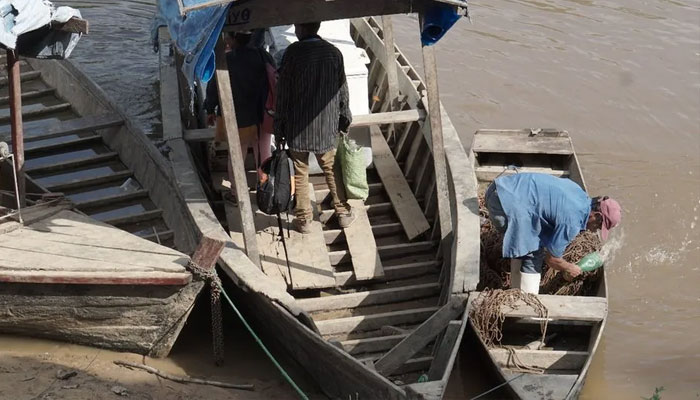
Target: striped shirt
x: 312, y: 96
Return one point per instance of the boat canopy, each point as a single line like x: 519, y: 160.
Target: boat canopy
x: 195, y: 25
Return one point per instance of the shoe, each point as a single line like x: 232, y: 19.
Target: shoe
x: 515, y: 273
x: 302, y: 225
x: 346, y: 219
x: 530, y: 282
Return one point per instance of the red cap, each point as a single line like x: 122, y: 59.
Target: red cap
x: 612, y: 214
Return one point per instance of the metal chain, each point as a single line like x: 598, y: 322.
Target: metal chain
x: 217, y: 328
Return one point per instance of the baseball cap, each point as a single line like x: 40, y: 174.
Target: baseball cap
x: 612, y: 215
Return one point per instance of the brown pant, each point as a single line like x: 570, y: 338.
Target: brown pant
x: 334, y: 180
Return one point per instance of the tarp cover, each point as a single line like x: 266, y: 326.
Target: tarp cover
x: 25, y: 27
x: 195, y: 35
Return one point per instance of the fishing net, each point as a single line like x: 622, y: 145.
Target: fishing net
x: 495, y: 270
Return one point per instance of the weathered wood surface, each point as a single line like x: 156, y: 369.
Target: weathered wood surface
x: 34, y: 132
x: 208, y: 252
x: 405, y: 204
x: 372, y: 345
x: 374, y: 321
x: 361, y: 244
x: 488, y: 173
x: 574, y: 308
x: 425, y: 390
x: 545, y: 359
x: 370, y: 297
x: 420, y: 337
x: 556, y: 386
x: 34, y: 112
x: 25, y: 76
x: 169, y: 96
x: 393, y: 272
x: 29, y: 95
x: 491, y: 142
x: 228, y: 114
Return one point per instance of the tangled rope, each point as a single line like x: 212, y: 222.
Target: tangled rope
x: 217, y: 327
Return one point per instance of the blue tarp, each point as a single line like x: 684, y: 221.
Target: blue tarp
x: 195, y: 35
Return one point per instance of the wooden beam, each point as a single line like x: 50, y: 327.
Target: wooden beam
x: 361, y: 245
x: 228, y: 113
x: 38, y: 112
x: 386, y: 251
x: 29, y: 95
x: 374, y: 321
x: 109, y: 200
x: 420, y: 337
x: 488, y: 173
x: 24, y: 76
x: 15, y: 95
x: 393, y: 272
x: 208, y: 252
x: 71, y: 126
x: 72, y: 164
x: 169, y: 96
x: 71, y: 143
x: 85, y: 182
x: 390, y: 64
x: 574, y: 308
x: 405, y: 204
x: 370, y: 297
x: 97, y: 278
x: 521, y: 142
x: 371, y: 345
x: 446, y: 351
x: 134, y: 218
x: 544, y: 359
x: 433, y: 106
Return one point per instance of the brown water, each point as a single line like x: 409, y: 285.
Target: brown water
x: 622, y: 77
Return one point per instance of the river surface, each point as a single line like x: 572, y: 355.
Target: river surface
x: 623, y: 77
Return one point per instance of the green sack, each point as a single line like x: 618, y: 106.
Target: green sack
x: 352, y: 163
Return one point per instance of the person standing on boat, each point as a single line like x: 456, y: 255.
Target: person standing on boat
x: 312, y: 109
x: 250, y: 85
x: 540, y: 215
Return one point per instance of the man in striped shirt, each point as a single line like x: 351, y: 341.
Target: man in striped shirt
x: 312, y: 108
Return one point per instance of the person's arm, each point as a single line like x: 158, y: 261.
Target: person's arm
x: 560, y: 264
x: 564, y: 233
x: 345, y: 113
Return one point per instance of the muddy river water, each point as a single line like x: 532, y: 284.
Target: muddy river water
x: 623, y: 77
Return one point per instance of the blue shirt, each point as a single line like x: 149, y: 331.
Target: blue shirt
x: 543, y: 211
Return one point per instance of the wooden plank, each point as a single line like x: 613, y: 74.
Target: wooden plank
x: 341, y: 256
x: 85, y: 182
x: 30, y: 95
x: 272, y: 256
x: 134, y: 218
x: 393, y: 272
x: 38, y: 112
x: 438, y: 149
x: 375, y: 321
x: 24, y: 76
x: 228, y: 113
x: 446, y: 351
x: 371, y: 345
x: 417, y: 364
x: 405, y: 204
x: 72, y: 144
x: 169, y: 96
x: 107, y: 200
x: 521, y: 143
x: 361, y: 245
x: 575, y: 308
x: 390, y: 67
x: 420, y: 337
x: 488, y: 173
x: 71, y: 164
x: 96, y: 278
x: 545, y: 359
x: 71, y: 126
x: 308, y: 256
x: 370, y: 297
x: 335, y: 236
x: 425, y: 390
x: 208, y: 252
x: 159, y: 236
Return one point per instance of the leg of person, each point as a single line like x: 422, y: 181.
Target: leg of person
x: 334, y: 180
x: 530, y: 271
x: 303, y: 211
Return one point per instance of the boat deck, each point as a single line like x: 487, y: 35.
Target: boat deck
x: 64, y: 152
x: 60, y: 246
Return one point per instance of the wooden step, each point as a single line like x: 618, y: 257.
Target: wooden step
x: 392, y: 272
x: 30, y: 95
x: 87, y: 182
x: 372, y: 209
x: 490, y: 172
x: 372, y: 344
x: 335, y: 236
x: 160, y: 237
x: 134, y: 218
x: 544, y: 359
x: 71, y: 164
x: 413, y: 365
x: 340, y: 256
x: 117, y: 198
x: 574, y: 308
x: 38, y: 112
x: 72, y: 143
x: 71, y: 126
x: 371, y: 297
x: 375, y: 321
x: 23, y: 77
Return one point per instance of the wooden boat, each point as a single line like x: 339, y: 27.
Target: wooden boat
x: 577, y: 321
x: 94, y: 275
x: 375, y: 310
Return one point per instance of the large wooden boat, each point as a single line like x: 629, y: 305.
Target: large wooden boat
x: 93, y: 275
x: 375, y: 310
x: 576, y: 322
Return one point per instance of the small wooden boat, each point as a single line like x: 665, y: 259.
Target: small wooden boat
x: 576, y: 322
x: 371, y: 311
x: 94, y: 275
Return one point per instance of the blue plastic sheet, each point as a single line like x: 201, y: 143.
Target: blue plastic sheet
x: 195, y: 35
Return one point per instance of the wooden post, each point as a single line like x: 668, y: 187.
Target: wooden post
x: 431, y: 83
x: 228, y: 114
x: 390, y: 64
x: 15, y: 97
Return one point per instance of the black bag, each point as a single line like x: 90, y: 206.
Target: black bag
x: 276, y: 193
